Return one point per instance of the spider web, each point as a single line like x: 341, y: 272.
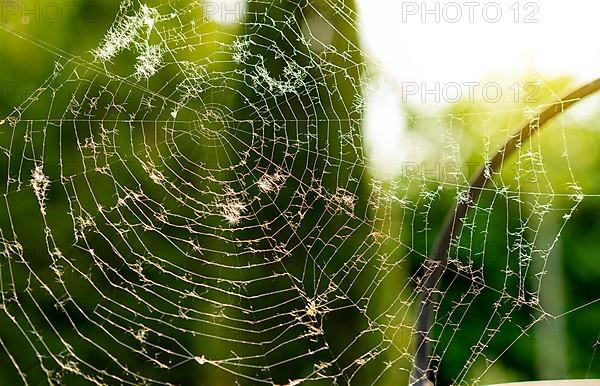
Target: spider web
x: 194, y: 203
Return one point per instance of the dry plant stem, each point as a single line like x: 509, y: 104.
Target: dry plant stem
x: 454, y: 222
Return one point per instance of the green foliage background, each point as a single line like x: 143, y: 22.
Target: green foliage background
x: 567, y: 347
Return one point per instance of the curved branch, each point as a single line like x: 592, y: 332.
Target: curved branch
x: 454, y: 221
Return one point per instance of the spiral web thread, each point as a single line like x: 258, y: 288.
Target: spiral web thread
x: 211, y: 215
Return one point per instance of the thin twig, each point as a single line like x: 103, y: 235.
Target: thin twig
x: 454, y: 222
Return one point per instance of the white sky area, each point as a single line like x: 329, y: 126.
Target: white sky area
x: 563, y: 41
x: 560, y: 40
